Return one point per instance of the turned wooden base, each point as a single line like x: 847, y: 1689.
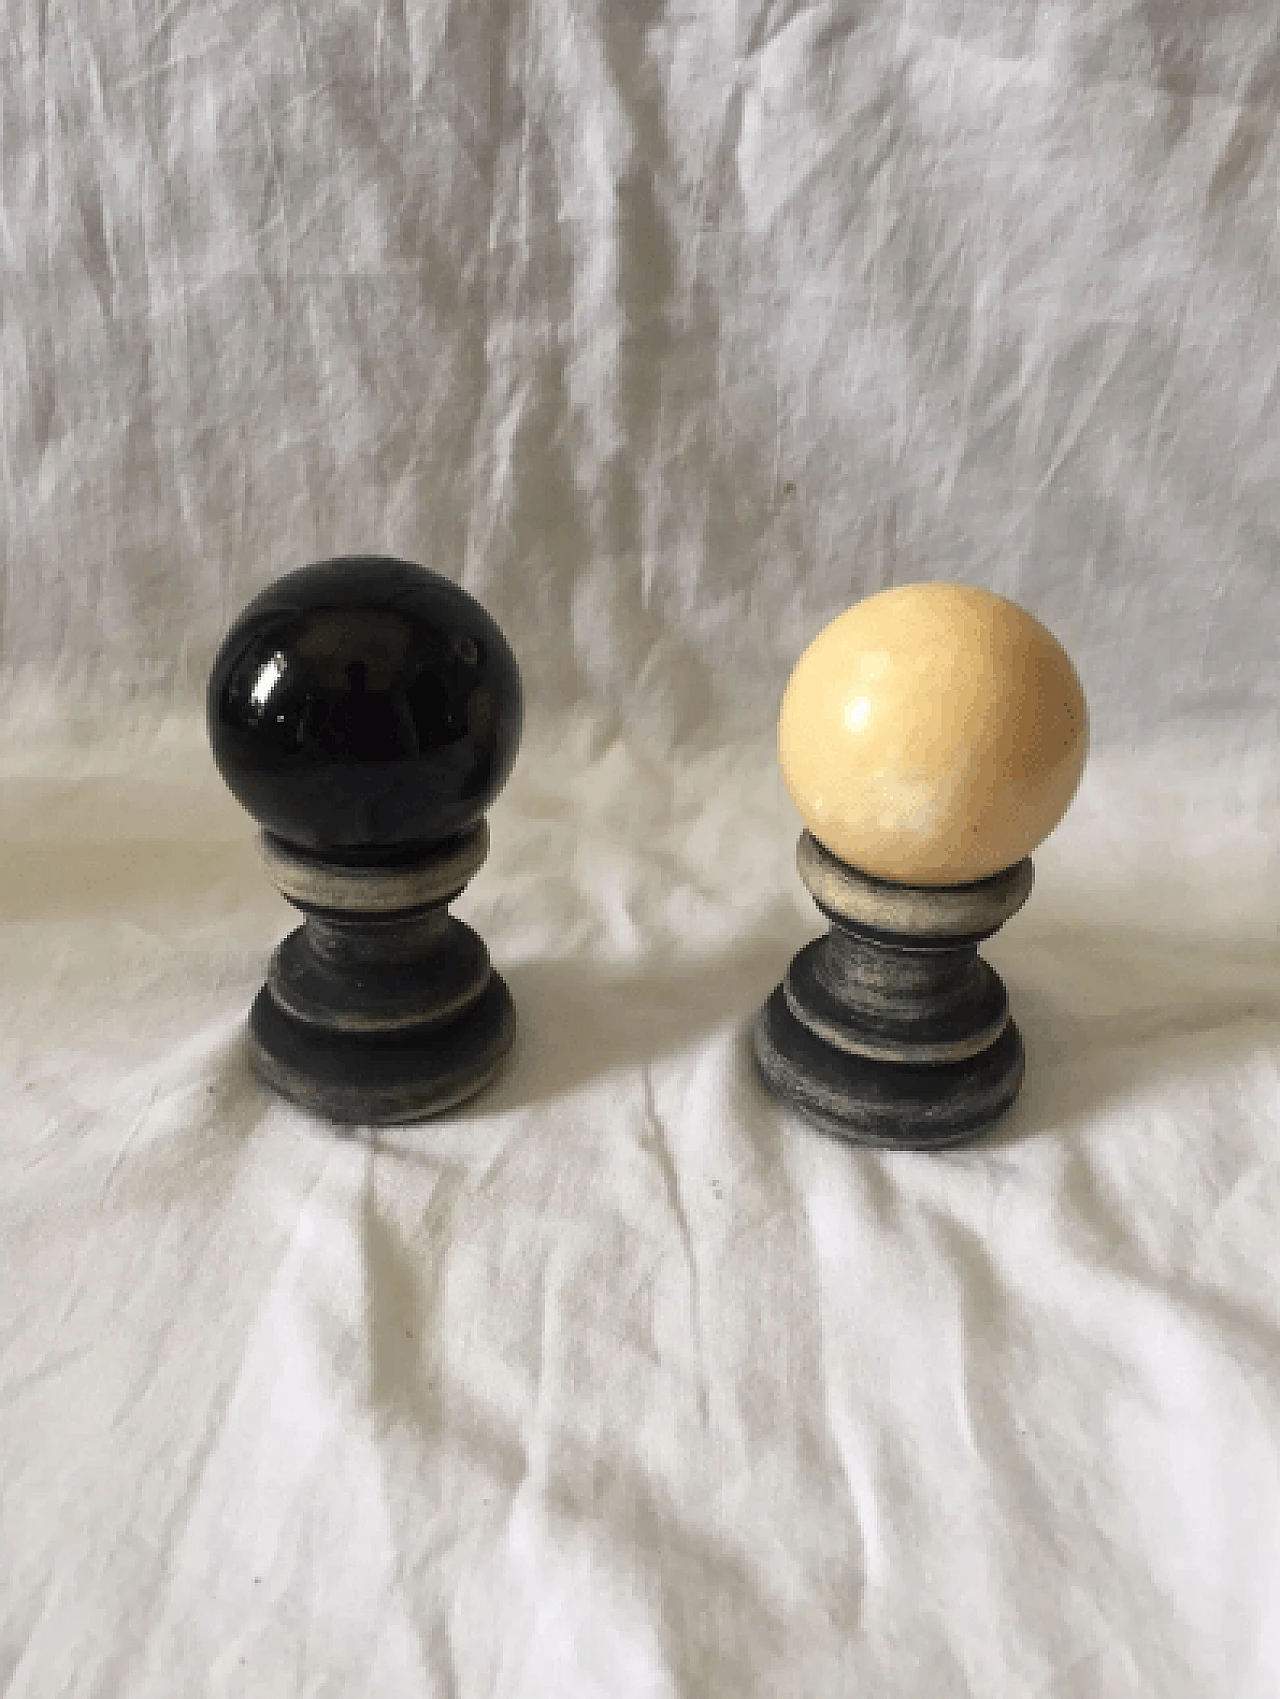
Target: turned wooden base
x: 892, y: 1030
x: 381, y: 1007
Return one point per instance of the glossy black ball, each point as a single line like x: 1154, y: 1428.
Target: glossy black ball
x: 365, y: 708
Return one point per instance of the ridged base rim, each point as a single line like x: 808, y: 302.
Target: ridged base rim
x: 382, y: 1079
x: 893, y: 1105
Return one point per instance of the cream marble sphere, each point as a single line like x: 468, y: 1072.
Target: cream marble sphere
x: 933, y: 734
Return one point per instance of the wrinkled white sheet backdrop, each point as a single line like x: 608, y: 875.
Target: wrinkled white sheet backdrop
x: 668, y: 330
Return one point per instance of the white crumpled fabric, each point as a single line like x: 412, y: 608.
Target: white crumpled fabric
x: 668, y: 331
x: 621, y: 1382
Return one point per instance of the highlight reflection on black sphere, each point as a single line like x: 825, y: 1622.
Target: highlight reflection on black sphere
x: 365, y: 708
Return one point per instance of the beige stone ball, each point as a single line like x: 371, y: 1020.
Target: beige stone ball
x: 933, y: 735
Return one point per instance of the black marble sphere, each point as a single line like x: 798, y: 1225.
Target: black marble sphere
x: 365, y: 709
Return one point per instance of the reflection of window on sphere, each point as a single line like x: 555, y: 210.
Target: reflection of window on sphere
x: 266, y: 681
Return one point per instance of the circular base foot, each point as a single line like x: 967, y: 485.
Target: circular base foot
x: 896, y: 1105
x: 382, y: 1077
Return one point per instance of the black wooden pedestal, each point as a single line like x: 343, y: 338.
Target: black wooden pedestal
x: 892, y: 1030
x: 381, y: 1007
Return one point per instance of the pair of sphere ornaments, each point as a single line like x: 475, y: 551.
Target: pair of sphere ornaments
x: 367, y: 712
